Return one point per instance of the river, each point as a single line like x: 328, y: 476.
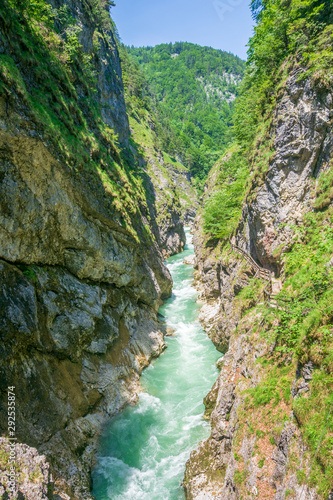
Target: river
x: 144, y: 449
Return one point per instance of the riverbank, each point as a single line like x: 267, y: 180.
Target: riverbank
x: 143, y: 451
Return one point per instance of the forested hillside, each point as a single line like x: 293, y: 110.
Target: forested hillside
x: 174, y: 189
x: 194, y: 88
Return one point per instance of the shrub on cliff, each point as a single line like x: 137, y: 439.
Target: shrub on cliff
x: 224, y: 207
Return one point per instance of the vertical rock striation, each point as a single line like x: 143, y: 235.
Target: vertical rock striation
x: 244, y: 457
x: 81, y: 272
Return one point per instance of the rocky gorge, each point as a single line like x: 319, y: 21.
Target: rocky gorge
x: 98, y: 177
x: 254, y: 451
x: 81, y: 255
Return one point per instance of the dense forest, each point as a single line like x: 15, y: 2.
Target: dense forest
x: 193, y: 90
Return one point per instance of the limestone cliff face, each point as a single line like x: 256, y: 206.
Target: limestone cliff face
x: 110, y: 89
x: 302, y: 149
x: 81, y: 273
x: 245, y: 457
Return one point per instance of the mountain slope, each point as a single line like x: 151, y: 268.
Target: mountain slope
x: 172, y: 182
x: 195, y: 88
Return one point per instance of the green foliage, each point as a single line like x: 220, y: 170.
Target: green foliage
x: 288, y: 35
x: 305, y: 330
x: 264, y: 394
x: 317, y: 426
x: 146, y: 139
x: 307, y: 302
x: 36, y: 11
x: 324, y: 189
x: 285, y: 30
x: 28, y: 271
x: 137, y: 93
x: 240, y: 477
x: 100, y: 13
x: 275, y: 385
x: 301, y: 476
x: 48, y: 71
x: 193, y: 89
x: 223, y: 209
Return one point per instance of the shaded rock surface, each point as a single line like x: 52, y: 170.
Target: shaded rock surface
x: 79, y: 286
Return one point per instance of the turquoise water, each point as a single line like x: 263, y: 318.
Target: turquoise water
x: 143, y: 450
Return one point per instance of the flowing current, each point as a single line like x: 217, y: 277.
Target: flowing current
x: 143, y: 450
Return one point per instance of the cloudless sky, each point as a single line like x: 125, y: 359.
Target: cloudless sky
x: 222, y: 24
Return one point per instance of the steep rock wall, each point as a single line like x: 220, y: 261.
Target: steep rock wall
x: 82, y: 275
x: 301, y: 129
x: 110, y: 89
x: 78, y: 313
x: 251, y: 454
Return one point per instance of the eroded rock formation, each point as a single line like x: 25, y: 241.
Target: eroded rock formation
x: 240, y: 452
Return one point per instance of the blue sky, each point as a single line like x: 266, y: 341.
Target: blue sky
x: 222, y: 24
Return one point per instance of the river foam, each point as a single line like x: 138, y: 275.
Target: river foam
x: 143, y: 450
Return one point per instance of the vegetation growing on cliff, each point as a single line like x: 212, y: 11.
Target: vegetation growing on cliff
x: 223, y: 208
x: 52, y: 70
x: 193, y: 91
x: 287, y: 33
x: 294, y: 35
x: 48, y: 51
x: 305, y: 332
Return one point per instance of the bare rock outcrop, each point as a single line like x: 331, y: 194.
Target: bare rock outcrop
x: 302, y: 149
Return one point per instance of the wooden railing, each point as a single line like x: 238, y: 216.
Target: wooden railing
x: 261, y: 272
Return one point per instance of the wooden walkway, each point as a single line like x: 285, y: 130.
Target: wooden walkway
x: 273, y: 287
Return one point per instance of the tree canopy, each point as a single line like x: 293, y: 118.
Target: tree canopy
x: 193, y: 89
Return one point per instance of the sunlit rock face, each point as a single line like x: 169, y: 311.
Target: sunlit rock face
x: 303, y: 146
x: 302, y: 149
